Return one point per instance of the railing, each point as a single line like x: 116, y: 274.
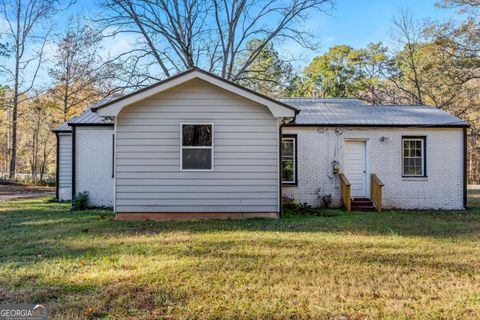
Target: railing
x: 376, y: 186
x: 345, y: 190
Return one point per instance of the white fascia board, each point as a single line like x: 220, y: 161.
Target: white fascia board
x: 112, y: 110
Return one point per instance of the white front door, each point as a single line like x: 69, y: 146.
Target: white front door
x: 356, y: 167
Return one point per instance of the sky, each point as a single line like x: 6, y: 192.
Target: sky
x: 355, y: 22
x: 352, y: 22
x: 360, y: 22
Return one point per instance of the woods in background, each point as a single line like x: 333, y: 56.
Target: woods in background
x: 48, y: 76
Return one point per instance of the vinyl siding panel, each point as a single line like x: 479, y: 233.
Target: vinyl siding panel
x: 65, y: 166
x: 148, y: 175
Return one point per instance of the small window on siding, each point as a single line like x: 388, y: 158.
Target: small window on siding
x: 413, y: 157
x: 289, y: 159
x: 197, y: 147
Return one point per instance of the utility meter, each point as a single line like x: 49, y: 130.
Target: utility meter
x: 335, y: 167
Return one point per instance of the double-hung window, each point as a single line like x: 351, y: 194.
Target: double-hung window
x: 289, y: 159
x: 413, y: 157
x: 196, y: 146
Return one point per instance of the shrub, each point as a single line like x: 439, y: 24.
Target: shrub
x: 80, y: 200
x: 295, y: 208
x: 291, y: 209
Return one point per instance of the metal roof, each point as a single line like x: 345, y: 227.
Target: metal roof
x: 62, y: 128
x: 351, y: 112
x: 331, y: 112
x: 88, y: 116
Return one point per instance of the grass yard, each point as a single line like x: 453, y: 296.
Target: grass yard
x: 349, y: 266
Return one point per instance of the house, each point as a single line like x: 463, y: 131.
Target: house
x: 198, y: 146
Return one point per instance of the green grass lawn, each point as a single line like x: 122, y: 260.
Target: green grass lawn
x: 349, y: 266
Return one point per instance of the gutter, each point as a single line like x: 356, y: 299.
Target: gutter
x: 90, y: 124
x: 380, y: 125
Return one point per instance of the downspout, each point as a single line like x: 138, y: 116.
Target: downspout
x: 465, y: 175
x: 57, y: 170
x: 280, y: 193
x: 73, y: 161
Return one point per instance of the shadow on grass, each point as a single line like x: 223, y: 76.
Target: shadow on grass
x: 154, y: 258
x: 29, y: 236
x: 40, y: 220
x: 124, y: 298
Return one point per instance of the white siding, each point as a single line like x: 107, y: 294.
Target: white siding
x: 148, y: 176
x: 64, y: 166
x: 93, y: 166
x: 442, y: 189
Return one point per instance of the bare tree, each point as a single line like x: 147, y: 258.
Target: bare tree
x: 168, y: 29
x: 238, y: 21
x: 471, y: 6
x: 39, y: 144
x: 179, y: 34
x: 28, y: 35
x: 79, y: 73
x: 407, y: 34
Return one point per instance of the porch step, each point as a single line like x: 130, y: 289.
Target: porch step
x: 362, y: 204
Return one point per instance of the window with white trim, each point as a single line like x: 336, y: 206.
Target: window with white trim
x: 413, y: 157
x: 196, y: 146
x: 289, y: 159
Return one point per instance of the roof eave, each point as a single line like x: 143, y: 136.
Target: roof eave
x: 379, y: 125
x: 62, y: 131
x: 112, y: 108
x: 90, y: 124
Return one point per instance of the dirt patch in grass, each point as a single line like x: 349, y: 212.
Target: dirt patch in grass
x: 13, y: 191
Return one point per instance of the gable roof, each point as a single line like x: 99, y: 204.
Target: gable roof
x: 113, y: 107
x: 327, y: 112
x: 352, y: 112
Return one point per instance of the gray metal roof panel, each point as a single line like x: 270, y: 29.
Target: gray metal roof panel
x: 354, y: 112
x: 329, y: 112
x: 63, y: 127
x: 89, y: 117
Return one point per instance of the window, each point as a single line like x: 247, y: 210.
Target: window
x: 289, y: 159
x: 197, y: 147
x: 413, y: 156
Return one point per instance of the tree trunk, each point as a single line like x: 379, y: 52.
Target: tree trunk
x: 13, y: 159
x: 65, y: 103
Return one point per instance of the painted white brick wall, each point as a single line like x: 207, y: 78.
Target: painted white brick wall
x: 441, y: 189
x: 94, y: 164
